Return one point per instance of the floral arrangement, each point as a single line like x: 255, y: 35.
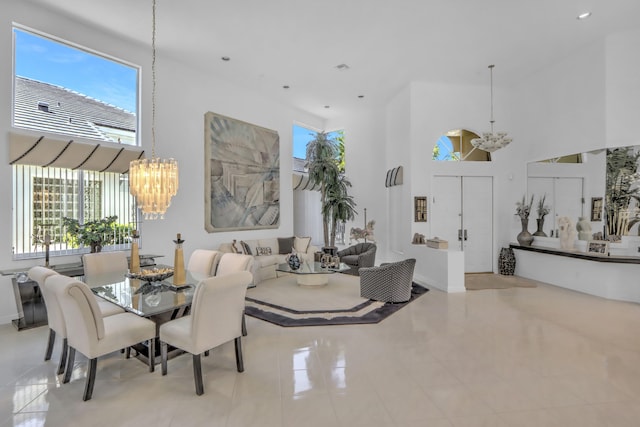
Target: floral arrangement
x: 542, y: 208
x: 523, y: 209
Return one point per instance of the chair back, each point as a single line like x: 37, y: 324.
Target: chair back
x: 204, y: 262
x: 104, y: 267
x: 233, y: 263
x: 82, y: 315
x: 55, y: 318
x: 217, y: 309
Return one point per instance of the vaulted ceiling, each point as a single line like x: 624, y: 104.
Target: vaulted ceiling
x: 385, y: 44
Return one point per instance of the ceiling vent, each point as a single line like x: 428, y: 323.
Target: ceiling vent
x: 342, y: 67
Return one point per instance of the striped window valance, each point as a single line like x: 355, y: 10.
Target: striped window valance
x: 394, y: 177
x: 27, y: 149
x: 302, y: 182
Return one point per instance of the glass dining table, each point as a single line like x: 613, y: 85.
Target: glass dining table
x: 146, y: 299
x: 159, y: 301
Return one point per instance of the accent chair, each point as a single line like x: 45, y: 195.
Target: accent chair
x: 390, y: 282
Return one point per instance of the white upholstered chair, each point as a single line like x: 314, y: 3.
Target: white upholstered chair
x: 54, y: 315
x: 92, y: 334
x: 104, y: 267
x: 204, y: 262
x: 216, y: 316
x: 233, y: 263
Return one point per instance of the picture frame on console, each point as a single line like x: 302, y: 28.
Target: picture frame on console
x: 598, y: 247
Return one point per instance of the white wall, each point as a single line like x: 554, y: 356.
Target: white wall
x: 184, y: 95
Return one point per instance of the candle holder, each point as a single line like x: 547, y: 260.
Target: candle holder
x: 134, y: 264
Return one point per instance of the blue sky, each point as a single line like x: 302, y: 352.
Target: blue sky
x: 47, y: 61
x: 301, y: 137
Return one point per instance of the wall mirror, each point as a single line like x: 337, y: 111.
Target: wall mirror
x: 601, y: 185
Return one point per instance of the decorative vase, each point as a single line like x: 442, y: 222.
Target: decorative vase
x: 294, y: 261
x: 507, y: 262
x: 539, y: 232
x: 524, y: 237
x: 179, y: 275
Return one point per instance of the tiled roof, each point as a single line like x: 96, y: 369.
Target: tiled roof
x: 46, y: 107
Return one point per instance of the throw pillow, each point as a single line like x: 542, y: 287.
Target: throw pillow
x: 301, y: 244
x: 285, y: 245
x: 263, y: 251
x: 245, y: 248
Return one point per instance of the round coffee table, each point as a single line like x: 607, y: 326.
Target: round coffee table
x: 312, y: 274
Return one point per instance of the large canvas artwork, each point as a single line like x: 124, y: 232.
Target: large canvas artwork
x: 242, y: 175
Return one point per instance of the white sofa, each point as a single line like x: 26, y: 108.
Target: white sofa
x: 268, y: 253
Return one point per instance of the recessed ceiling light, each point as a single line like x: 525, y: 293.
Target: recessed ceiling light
x: 225, y: 58
x: 327, y: 106
x: 583, y: 15
x: 342, y: 67
x: 285, y: 87
x: 360, y: 96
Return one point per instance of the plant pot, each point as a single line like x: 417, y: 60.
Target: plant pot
x: 524, y: 237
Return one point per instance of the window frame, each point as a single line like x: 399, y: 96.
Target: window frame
x: 134, y: 217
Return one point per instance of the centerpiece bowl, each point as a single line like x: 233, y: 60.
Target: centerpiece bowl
x: 152, y: 275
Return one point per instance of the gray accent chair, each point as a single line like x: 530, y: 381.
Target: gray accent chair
x: 358, y: 256
x: 390, y: 282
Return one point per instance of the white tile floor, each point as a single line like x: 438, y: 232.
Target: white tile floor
x: 515, y: 357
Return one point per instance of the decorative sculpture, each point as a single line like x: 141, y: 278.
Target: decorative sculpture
x: 566, y: 232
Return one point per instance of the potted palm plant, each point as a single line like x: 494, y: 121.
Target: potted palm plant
x: 323, y: 162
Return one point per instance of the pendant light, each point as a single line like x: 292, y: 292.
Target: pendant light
x: 153, y: 182
x: 491, y: 141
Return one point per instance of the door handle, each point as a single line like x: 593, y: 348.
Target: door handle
x: 465, y: 234
x: 460, y: 234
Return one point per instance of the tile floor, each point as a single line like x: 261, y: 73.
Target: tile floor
x: 513, y: 357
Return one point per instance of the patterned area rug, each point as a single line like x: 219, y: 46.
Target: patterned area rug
x: 282, y: 302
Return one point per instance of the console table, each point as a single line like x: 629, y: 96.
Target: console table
x: 32, y: 311
x: 611, y: 277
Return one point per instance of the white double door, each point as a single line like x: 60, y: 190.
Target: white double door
x: 462, y: 214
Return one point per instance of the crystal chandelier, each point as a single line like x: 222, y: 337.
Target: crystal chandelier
x: 491, y: 141
x: 153, y: 182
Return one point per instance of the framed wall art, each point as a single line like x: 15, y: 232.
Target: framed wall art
x: 420, y: 209
x: 242, y: 175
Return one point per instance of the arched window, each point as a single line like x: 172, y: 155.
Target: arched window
x: 455, y: 146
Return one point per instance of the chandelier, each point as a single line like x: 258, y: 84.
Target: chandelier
x: 491, y: 141
x: 153, y: 182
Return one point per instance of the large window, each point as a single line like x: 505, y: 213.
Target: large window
x: 55, y: 193
x: 302, y: 136
x: 75, y: 129
x: 63, y: 89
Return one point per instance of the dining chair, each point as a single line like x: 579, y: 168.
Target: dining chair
x: 204, y: 262
x: 54, y: 315
x: 92, y: 334
x: 104, y: 267
x: 232, y: 263
x: 215, y: 319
